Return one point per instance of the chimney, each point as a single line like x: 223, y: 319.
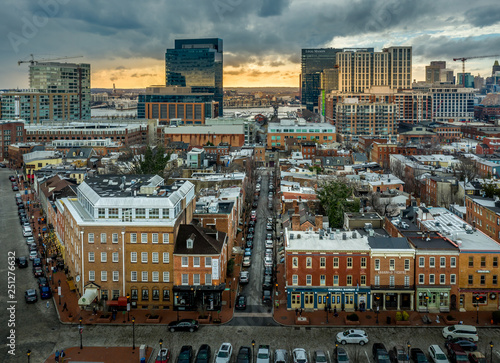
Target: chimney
x: 295, y: 222
x: 296, y: 208
x: 295, y: 204
x: 318, y: 222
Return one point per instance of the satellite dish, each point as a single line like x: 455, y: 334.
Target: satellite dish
x: 77, y: 278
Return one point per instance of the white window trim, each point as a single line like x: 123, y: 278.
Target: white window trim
x: 132, y: 259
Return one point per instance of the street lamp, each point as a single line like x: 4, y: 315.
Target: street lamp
x: 28, y: 353
x: 161, y: 343
x: 409, y: 346
x: 81, y: 333
x: 326, y: 308
x: 378, y: 307
x: 491, y: 351
x: 253, y: 349
x: 477, y: 309
x: 133, y: 333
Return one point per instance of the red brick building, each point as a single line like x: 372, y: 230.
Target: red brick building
x: 11, y: 132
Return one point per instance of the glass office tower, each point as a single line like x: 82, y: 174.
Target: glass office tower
x: 196, y: 63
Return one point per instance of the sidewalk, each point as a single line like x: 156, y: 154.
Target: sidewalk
x: 102, y: 354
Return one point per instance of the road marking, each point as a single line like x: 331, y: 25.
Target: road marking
x: 242, y: 314
x: 367, y: 357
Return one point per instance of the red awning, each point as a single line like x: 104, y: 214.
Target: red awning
x: 122, y: 301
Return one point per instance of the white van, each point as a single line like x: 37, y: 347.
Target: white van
x: 461, y: 331
x: 27, y: 231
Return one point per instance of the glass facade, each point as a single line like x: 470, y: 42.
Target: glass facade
x: 196, y: 63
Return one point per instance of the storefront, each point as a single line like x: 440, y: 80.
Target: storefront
x: 479, y: 299
x: 192, y: 298
x: 393, y: 299
x: 432, y: 299
x: 340, y: 298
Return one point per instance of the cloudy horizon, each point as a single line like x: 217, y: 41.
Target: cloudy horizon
x: 125, y: 41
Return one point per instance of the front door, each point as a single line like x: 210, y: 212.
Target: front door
x: 321, y: 301
x: 336, y: 301
x: 308, y: 300
x: 349, y: 301
x: 295, y: 303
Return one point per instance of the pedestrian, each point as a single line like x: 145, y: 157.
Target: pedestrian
x: 65, y: 307
x: 57, y: 356
x: 300, y: 312
x: 335, y: 312
x: 296, y: 312
x: 62, y: 355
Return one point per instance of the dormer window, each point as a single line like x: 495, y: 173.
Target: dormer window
x: 190, y: 241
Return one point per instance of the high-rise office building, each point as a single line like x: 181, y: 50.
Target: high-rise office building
x: 495, y: 68
x: 433, y: 71
x: 196, y: 63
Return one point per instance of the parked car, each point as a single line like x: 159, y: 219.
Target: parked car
x: 249, y: 244
x: 398, y: 355
x: 269, y: 227
x: 37, y: 262
x: 281, y: 356
x: 340, y: 355
x: 266, y: 297
x: 263, y: 354
x: 380, y: 354
x: 250, y: 236
x: 248, y: 252
x: 456, y: 353
x: 37, y: 271
x: 255, y: 204
x: 464, y: 343
x: 354, y: 336
x: 30, y: 296
x: 244, y: 355
x: 251, y: 230
x: 461, y: 331
x: 186, y: 354
x: 267, y: 283
x: 224, y: 353
x: 269, y: 236
x: 437, y: 355
x: 268, y: 261
x: 319, y: 357
x: 247, y: 261
x: 184, y: 324
x: 299, y: 355
x: 251, y: 222
x: 33, y: 255
x: 244, y: 277
x: 22, y: 262
x: 477, y: 357
x: 268, y: 270
x: 30, y: 240
x: 241, y: 303
x: 42, y: 281
x: 163, y: 356
x: 45, y: 292
x: 417, y: 355
x: 269, y: 243
x: 203, y: 355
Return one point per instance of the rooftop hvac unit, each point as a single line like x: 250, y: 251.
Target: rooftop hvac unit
x: 291, y: 236
x: 332, y: 236
x: 353, y: 234
x: 344, y: 236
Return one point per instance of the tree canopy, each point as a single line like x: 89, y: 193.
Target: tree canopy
x: 154, y: 161
x: 337, y: 197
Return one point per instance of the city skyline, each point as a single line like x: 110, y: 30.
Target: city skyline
x: 125, y: 44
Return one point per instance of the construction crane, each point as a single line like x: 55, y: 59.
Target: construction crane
x: 32, y: 61
x: 463, y: 59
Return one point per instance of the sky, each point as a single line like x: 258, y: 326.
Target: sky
x: 125, y: 40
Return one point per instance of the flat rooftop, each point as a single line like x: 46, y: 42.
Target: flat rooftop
x: 323, y: 241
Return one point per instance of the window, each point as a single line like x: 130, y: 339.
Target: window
x: 113, y: 213
x: 115, y: 256
x: 208, y: 279
x: 154, y: 257
x: 495, y: 261
x: 133, y: 237
x: 470, y: 280
x: 166, y: 295
x: 407, y: 281
x: 336, y: 262
x: 308, y: 279
x: 104, y: 257
x: 184, y: 261
x: 101, y: 213
x: 115, y: 275
x: 144, y: 257
x: 335, y: 280
x: 322, y: 262
x: 349, y: 280
x: 391, y: 281
x: 144, y: 238
x: 133, y: 276
x: 156, y: 294
x: 196, y: 262
x: 103, y: 237
x: 133, y: 257
x: 377, y: 280
x: 442, y: 279
x: 114, y: 238
x: 295, y: 280
x: 421, y: 262
x: 377, y: 264
x: 362, y: 280
x: 453, y: 279
x: 196, y: 279
x: 91, y: 237
x: 104, y: 275
x: 407, y: 264
x: 309, y: 262
x: 166, y: 257
x: 432, y: 262
x: 140, y: 213
x: 392, y: 264
x: 91, y: 257
x: 494, y: 279
x: 154, y: 237
x: 91, y: 275
x: 295, y: 262
x: 349, y: 262
x: 453, y: 262
x: 482, y: 279
x: 322, y: 280
x: 154, y: 213
x: 431, y: 279
x: 471, y: 261
x: 166, y: 276
x: 155, y: 276
x: 483, y: 261
x: 185, y: 279
x: 421, y: 278
x: 166, y: 238
x: 208, y: 261
x: 442, y: 262
x: 144, y: 276
x: 363, y: 262
x: 145, y: 294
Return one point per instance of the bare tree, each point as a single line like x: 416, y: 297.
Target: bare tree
x: 467, y: 169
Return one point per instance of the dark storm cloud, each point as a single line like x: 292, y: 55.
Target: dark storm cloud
x: 257, y: 32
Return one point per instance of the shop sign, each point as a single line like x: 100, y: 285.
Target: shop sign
x: 483, y: 271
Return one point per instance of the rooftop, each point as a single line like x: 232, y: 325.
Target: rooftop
x: 325, y: 241
x: 392, y: 243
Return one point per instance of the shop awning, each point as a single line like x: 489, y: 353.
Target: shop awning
x: 122, y: 301
x: 71, y: 285
x: 89, y: 296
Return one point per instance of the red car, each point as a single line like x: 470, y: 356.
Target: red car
x: 163, y: 356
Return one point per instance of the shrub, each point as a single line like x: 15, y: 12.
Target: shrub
x: 405, y: 316
x: 399, y: 316
x: 450, y: 317
x: 496, y: 317
x: 353, y: 317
